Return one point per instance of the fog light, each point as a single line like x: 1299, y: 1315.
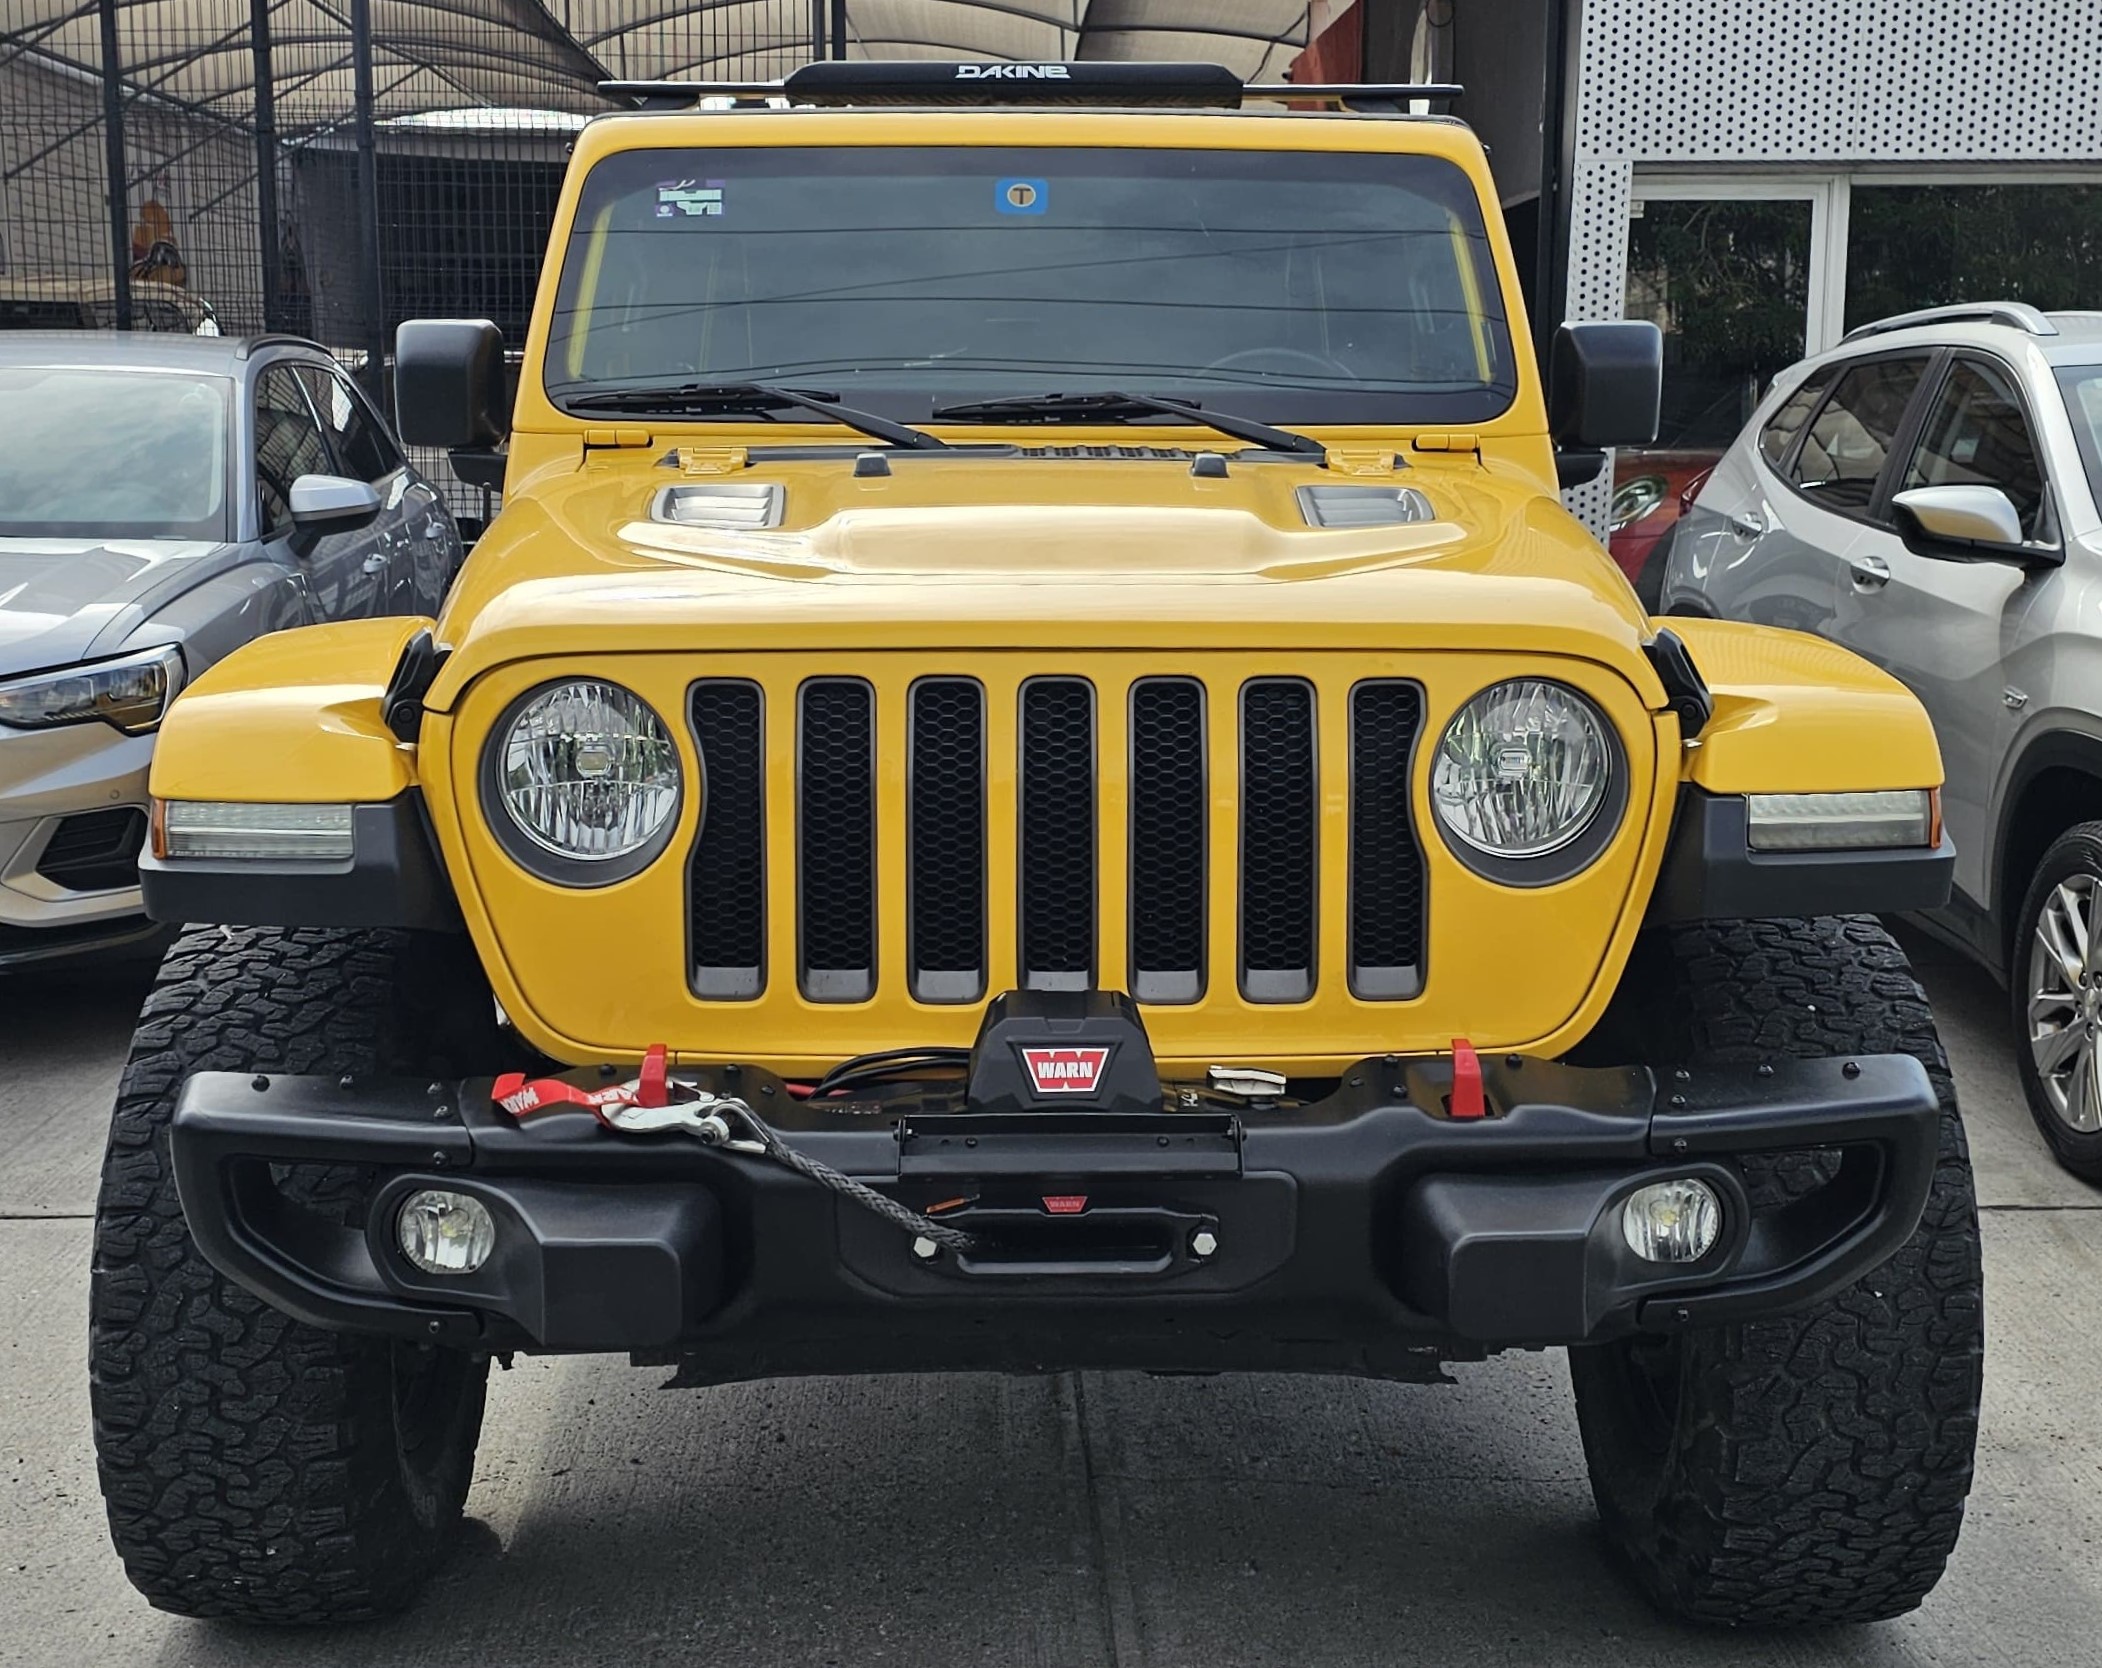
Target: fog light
x: 1672, y: 1221
x: 442, y: 1232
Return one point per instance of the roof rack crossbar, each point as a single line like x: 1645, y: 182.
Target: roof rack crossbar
x: 2019, y: 314
x: 1098, y: 82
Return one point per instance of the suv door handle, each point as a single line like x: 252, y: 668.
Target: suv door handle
x: 1871, y: 573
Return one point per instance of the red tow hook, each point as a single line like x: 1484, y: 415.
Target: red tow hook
x: 652, y: 1087
x: 1467, y: 1100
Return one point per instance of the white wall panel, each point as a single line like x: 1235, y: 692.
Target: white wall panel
x: 1815, y: 84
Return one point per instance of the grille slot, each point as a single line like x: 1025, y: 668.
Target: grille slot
x: 1386, y: 863
x: 836, y: 839
x: 727, y: 881
x: 947, y: 955
x: 1278, y: 840
x: 1168, y: 839
x: 1057, y: 818
x: 95, y: 851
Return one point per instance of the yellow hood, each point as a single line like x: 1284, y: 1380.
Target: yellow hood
x: 1036, y: 552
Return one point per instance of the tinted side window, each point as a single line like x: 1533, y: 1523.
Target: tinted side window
x: 1975, y: 435
x: 1849, y: 439
x: 361, y: 447
x: 287, y: 444
x: 1785, y: 424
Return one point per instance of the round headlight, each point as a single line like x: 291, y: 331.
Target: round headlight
x: 589, y: 775
x: 1523, y: 770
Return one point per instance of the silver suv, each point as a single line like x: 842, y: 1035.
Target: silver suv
x: 164, y: 499
x: 1929, y: 494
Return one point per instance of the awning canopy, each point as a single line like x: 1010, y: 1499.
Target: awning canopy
x: 455, y: 55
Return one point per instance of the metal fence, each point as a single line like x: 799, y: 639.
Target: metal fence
x: 332, y: 167
x: 328, y: 167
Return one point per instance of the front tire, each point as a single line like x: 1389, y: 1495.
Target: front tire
x: 2054, y: 975
x: 255, y: 1468
x: 1809, y: 1469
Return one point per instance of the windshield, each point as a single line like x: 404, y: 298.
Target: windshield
x: 2083, y: 391
x: 95, y: 454
x: 1311, y: 287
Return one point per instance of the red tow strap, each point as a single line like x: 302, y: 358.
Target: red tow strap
x: 1467, y: 1100
x: 522, y: 1097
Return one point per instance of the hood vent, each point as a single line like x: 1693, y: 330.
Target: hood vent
x: 733, y: 506
x: 1364, y: 506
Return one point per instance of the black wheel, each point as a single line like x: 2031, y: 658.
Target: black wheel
x: 1810, y: 1469
x: 2054, y: 973
x: 255, y: 1468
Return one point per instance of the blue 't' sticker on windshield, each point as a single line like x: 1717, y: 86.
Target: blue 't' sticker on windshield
x: 1020, y: 196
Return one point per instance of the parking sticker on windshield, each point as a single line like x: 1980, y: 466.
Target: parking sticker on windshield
x: 678, y: 199
x: 1021, y: 196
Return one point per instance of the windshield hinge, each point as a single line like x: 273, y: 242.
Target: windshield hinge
x: 1449, y: 440
x: 712, y: 460
x: 623, y: 437
x: 1359, y: 460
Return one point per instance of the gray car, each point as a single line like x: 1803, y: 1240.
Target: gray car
x: 1930, y: 495
x: 164, y: 499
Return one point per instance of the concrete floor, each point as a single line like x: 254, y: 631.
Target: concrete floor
x: 1091, y: 1518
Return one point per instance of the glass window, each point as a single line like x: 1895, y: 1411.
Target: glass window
x: 1728, y: 282
x: 1787, y: 422
x: 287, y: 445
x: 1976, y: 435
x: 92, y: 454
x: 2082, y: 386
x: 360, y: 445
x: 1912, y: 246
x: 1321, y: 286
x: 1849, y: 439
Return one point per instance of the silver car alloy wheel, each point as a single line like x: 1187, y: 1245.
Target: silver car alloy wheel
x: 2065, y: 1002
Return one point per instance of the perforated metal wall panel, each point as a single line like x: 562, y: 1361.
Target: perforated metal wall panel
x: 1831, y: 84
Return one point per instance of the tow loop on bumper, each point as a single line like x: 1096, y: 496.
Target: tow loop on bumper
x: 653, y: 1101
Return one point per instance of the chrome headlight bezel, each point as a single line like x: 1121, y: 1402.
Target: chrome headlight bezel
x: 162, y: 666
x: 526, y: 846
x: 1576, y: 848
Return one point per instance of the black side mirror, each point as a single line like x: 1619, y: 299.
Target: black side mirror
x: 1605, y: 384
x: 449, y: 383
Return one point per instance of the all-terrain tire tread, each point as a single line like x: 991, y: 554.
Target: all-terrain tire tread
x: 237, y: 1450
x: 1821, y: 1462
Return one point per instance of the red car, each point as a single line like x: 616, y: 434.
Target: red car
x: 1651, y: 490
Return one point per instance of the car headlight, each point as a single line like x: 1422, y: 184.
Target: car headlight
x: 583, y: 782
x: 130, y: 694
x: 1632, y: 500
x: 1525, y: 771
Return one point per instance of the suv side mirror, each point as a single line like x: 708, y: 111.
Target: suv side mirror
x: 449, y: 383
x: 332, y: 503
x: 1605, y: 384
x: 1973, y: 515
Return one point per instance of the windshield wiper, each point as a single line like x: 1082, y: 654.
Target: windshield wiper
x: 1111, y: 408
x: 701, y: 399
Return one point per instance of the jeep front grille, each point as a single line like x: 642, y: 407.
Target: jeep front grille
x: 1057, y: 791
x: 836, y: 840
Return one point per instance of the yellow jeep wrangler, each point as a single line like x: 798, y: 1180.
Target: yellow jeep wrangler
x: 1033, y: 777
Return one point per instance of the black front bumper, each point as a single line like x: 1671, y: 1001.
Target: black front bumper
x: 1369, y: 1232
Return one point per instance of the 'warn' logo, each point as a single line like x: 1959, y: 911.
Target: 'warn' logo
x: 1013, y: 72
x: 1065, y: 1071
